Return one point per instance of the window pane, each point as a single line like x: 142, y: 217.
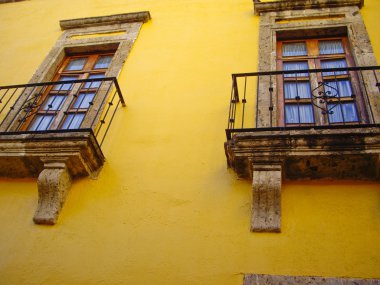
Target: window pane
x: 299, y: 114
x: 73, y: 121
x: 337, y: 63
x: 83, y: 101
x: 64, y: 87
x: 294, y: 49
x: 331, y: 47
x: 41, y: 123
x: 300, y: 89
x: 339, y: 111
x: 94, y: 84
x: 341, y: 88
x: 54, y: 102
x: 300, y: 65
x: 103, y: 61
x: 76, y: 64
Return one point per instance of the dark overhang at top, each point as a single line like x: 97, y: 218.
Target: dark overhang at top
x: 262, y: 7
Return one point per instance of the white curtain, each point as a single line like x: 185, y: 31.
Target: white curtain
x: 341, y: 88
x: 83, y: 100
x: 73, y: 121
x: 41, y: 123
x: 294, y: 89
x: 295, y: 65
x: 336, y: 63
x: 346, y: 111
x: 103, y: 61
x: 65, y: 87
x: 54, y: 102
x: 94, y: 84
x: 331, y: 47
x: 299, y: 114
x: 76, y: 64
x: 294, y: 49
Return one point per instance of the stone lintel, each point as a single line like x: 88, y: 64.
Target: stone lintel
x: 105, y: 20
x: 275, y: 6
x: 24, y: 154
x: 54, y: 183
x: 266, y: 205
x: 263, y: 279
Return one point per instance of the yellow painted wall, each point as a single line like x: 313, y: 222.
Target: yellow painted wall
x: 165, y: 208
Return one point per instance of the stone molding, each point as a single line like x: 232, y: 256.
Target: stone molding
x: 263, y: 279
x: 275, y: 6
x: 105, y: 20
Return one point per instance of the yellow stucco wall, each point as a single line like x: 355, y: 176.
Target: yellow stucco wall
x: 165, y: 209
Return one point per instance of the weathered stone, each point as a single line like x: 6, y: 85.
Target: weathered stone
x: 53, y: 183
x: 262, y: 7
x: 266, y: 206
x: 263, y: 279
x: 105, y: 20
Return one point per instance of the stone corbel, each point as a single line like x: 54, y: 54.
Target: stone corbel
x: 266, y: 188
x: 53, y: 183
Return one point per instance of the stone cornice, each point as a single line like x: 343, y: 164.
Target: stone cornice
x: 105, y: 20
x: 263, y: 7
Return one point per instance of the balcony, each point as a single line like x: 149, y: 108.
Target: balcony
x: 54, y: 131
x: 312, y: 124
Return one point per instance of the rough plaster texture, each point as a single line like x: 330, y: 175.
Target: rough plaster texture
x: 261, y: 279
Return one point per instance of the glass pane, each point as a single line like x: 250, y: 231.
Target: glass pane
x: 345, y: 110
x: 103, y: 61
x: 299, y: 114
x: 94, y: 84
x: 41, y: 123
x: 54, y: 102
x: 300, y: 65
x: 83, y: 101
x: 300, y: 89
x: 341, y: 88
x: 73, y: 121
x: 337, y: 63
x: 331, y: 47
x: 76, y: 64
x: 294, y: 49
x: 64, y: 87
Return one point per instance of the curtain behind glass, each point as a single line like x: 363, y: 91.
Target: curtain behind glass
x: 336, y: 63
x: 299, y: 114
x: 331, y: 47
x: 300, y: 89
x: 294, y: 49
x: 341, y: 88
x: 340, y: 111
x: 296, y: 65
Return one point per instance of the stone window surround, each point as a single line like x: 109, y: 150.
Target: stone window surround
x: 56, y: 157
x: 268, y: 157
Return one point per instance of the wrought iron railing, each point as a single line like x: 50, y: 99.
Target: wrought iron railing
x: 304, y: 99
x: 60, y: 106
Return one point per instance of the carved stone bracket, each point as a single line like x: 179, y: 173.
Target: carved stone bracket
x: 266, y: 205
x: 54, y: 182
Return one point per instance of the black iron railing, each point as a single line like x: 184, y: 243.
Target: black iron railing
x: 60, y: 106
x: 312, y: 98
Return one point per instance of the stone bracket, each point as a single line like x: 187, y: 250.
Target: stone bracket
x: 54, y: 183
x: 266, y: 206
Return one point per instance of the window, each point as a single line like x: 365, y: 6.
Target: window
x: 78, y: 100
x: 321, y: 98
